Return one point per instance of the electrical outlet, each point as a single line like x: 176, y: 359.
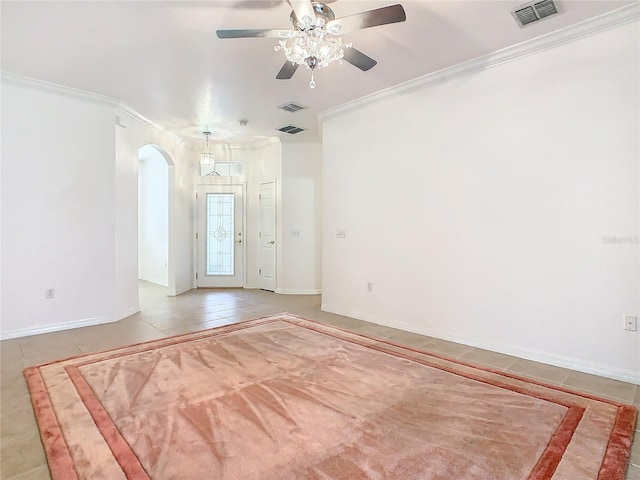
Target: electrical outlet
x: 341, y: 233
x: 50, y: 293
x: 631, y: 323
x: 369, y: 286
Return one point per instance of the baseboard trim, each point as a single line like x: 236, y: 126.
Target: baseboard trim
x: 57, y: 327
x: 126, y: 313
x: 294, y: 291
x: 180, y: 291
x: 527, y: 354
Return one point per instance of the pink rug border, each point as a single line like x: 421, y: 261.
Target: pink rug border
x: 126, y: 458
x: 60, y: 462
x: 613, y: 466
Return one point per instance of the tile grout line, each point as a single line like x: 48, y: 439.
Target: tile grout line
x: 22, y: 475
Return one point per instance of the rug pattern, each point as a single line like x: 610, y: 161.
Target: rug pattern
x: 283, y: 397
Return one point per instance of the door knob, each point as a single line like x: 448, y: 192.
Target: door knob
x: 272, y: 242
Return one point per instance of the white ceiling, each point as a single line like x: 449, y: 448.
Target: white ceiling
x: 163, y: 58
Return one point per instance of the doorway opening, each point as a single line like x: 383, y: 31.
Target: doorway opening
x: 155, y: 178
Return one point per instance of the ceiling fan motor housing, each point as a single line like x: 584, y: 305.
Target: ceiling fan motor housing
x: 312, y: 62
x: 321, y: 10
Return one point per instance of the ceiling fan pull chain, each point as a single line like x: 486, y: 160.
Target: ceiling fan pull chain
x: 312, y: 83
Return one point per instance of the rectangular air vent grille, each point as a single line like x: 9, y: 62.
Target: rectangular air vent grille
x: 292, y: 107
x: 534, y: 11
x: 292, y: 129
x: 526, y: 16
x: 545, y: 9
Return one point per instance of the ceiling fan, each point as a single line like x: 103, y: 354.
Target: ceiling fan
x: 315, y: 40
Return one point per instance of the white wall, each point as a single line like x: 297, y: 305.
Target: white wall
x: 58, y: 210
x: 69, y: 216
x: 1, y: 223
x: 130, y: 134
x: 301, y: 218
x: 182, y: 219
x: 478, y: 207
x: 153, y: 217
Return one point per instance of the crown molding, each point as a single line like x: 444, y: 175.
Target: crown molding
x: 263, y: 142
x: 248, y: 146
x: 607, y: 21
x: 127, y: 110
x: 75, y: 93
x: 266, y: 142
x: 83, y: 95
x: 121, y: 107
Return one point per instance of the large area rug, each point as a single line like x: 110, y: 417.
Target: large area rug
x: 284, y: 398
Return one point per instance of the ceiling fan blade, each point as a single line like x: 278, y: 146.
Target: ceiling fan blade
x: 357, y: 58
x: 303, y: 8
x: 370, y: 18
x: 248, y: 33
x: 256, y: 4
x: 287, y: 70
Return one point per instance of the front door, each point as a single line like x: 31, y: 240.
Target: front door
x: 220, y: 241
x: 268, y: 236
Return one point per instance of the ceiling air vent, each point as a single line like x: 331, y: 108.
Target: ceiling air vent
x: 292, y: 129
x: 292, y: 107
x: 534, y: 11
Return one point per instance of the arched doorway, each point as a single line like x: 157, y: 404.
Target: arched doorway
x: 156, y: 177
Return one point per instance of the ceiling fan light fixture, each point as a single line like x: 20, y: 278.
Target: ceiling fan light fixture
x: 314, y: 41
x: 313, y: 48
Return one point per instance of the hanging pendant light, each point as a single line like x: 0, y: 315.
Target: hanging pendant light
x: 206, y: 158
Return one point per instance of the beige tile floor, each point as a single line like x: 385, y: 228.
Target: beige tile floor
x: 22, y: 455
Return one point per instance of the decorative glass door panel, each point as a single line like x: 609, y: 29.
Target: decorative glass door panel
x: 220, y: 234
x: 220, y: 245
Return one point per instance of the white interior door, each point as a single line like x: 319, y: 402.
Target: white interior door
x: 268, y: 236
x: 220, y: 241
